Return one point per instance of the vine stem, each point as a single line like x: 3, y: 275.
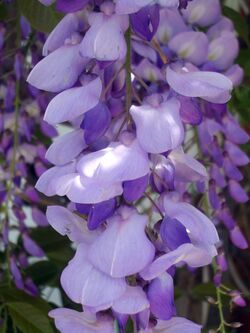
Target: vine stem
x: 222, y: 327
x: 128, y: 100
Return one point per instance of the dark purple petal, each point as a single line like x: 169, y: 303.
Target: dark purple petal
x: 100, y: 212
x: 173, y: 233
x: 190, y: 112
x: 96, y: 122
x: 237, y: 192
x: 134, y: 189
x: 161, y: 297
x: 69, y: 6
x: 146, y: 21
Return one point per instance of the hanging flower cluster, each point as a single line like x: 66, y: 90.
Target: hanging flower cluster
x: 22, y: 154
x: 132, y: 80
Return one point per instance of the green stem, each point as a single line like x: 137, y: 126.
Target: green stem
x: 222, y: 327
x: 128, y: 72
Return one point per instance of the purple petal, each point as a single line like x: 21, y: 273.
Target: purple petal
x: 211, y: 86
x: 159, y: 128
x: 234, y: 132
x: 134, y: 189
x: 100, y: 212
x: 238, y: 238
x: 231, y: 170
x: 86, y: 285
x: 64, y: 29
x: 237, y: 192
x: 66, y: 148
x: 96, y: 122
x: 39, y: 217
x: 237, y: 156
x: 18, y: 280
x: 215, y: 31
x: 47, y: 2
x: 191, y: 46
x: 31, y: 247
x: 67, y: 320
x: 73, y: 102
x: 53, y: 75
x: 163, y: 175
x: 124, y: 241
x: 68, y: 6
x: 133, y: 301
x: 216, y: 174
x: 67, y: 223
x: 213, y: 196
x: 173, y: 233
x: 161, y: 297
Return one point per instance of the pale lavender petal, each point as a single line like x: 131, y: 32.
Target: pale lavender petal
x: 86, y: 285
x: 211, y: 86
x: 236, y: 74
x: 130, y: 6
x: 177, y: 325
x: 193, y: 256
x: 171, y: 23
x: 202, y: 12
x: 161, y: 297
x: 191, y: 46
x: 159, y: 129
x: 225, y: 24
x: 73, y: 102
x: 88, y: 191
x: 104, y: 40
x: 64, y: 29
x: 237, y: 192
x: 47, y: 183
x: 66, y: 147
x: 234, y: 132
x: 67, y: 223
x: 118, y: 162
x: 53, y: 75
x: 133, y: 301
x: 186, y: 167
x: 148, y: 71
x: 67, y: 320
x: 223, y: 51
x: 124, y: 241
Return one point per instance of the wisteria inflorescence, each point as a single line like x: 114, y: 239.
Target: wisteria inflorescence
x: 22, y: 154
x: 151, y: 157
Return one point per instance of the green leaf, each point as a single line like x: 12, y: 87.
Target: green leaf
x: 40, y: 17
x: 116, y: 327
x: 28, y: 318
x: 239, y: 22
x: 43, y: 272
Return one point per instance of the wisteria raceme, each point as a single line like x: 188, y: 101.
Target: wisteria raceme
x: 133, y: 78
x: 22, y: 155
